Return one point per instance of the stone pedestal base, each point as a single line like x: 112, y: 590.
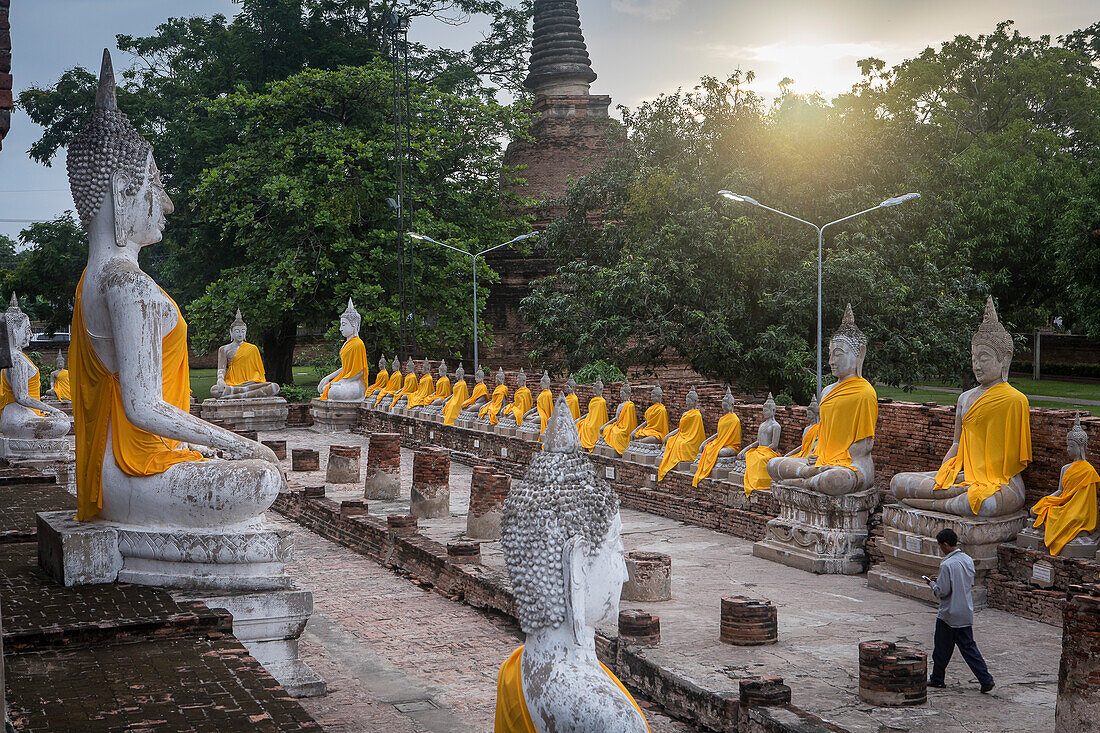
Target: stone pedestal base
x: 36, y: 450
x: 910, y: 549
x: 330, y: 416
x: 80, y: 553
x: 269, y: 625
x: 819, y: 533
x: 649, y: 577
x: 263, y: 414
x: 647, y: 454
x: 1082, y: 546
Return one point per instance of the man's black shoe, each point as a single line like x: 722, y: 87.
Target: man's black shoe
x: 933, y: 683
x: 990, y: 686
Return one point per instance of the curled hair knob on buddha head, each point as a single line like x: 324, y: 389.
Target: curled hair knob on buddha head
x: 992, y: 334
x: 1077, y: 436
x: 352, y: 316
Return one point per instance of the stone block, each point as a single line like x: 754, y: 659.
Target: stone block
x: 343, y: 464
x: 265, y: 414
x: 650, y: 577
x: 763, y: 691
x: 332, y: 416
x: 353, y: 508
x: 35, y: 450
x: 77, y: 553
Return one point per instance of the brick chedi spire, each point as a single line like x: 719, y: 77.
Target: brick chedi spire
x: 559, y: 57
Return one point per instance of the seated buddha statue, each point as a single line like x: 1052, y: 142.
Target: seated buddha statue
x: 380, y: 380
x: 409, y: 386
x: 22, y: 412
x: 589, y: 425
x: 561, y: 534
x: 849, y: 412
x: 809, y: 435
x: 980, y: 475
x: 443, y: 389
x: 723, y: 445
x: 478, y: 398
x: 654, y: 427
x: 1069, y: 514
x: 241, y: 373
x: 544, y: 405
x: 349, y: 382
x: 128, y: 354
x: 571, y: 398
x: 521, y: 400
x: 424, y: 390
x: 459, y: 394
x: 616, y: 433
x: 756, y: 455
x: 59, y: 381
x: 386, y: 394
x: 682, y: 444
x: 491, y: 410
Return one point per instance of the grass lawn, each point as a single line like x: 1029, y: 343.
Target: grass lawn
x: 1045, y: 388
x: 203, y: 379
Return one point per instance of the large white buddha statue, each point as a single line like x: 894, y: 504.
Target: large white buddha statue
x: 561, y: 536
x: 241, y: 373
x: 131, y: 396
x: 23, y: 414
x: 849, y: 412
x: 349, y: 382
x: 980, y: 475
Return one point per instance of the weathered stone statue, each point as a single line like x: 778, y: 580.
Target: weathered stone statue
x: 682, y: 444
x: 349, y: 383
x: 766, y: 447
x: 723, y: 446
x: 491, y: 410
x: 443, y: 389
x: 27, y: 424
x: 59, y: 381
x: 980, y: 475
x: 521, y: 400
x: 571, y: 398
x: 1069, y: 514
x: 380, y: 381
x: 545, y: 403
x: 459, y: 395
x: 240, y: 368
x: 478, y: 398
x: 410, y: 386
x: 809, y: 435
x: 385, y: 395
x: 561, y: 536
x: 589, y: 425
x: 849, y: 412
x: 616, y: 433
x: 424, y: 390
x: 647, y: 442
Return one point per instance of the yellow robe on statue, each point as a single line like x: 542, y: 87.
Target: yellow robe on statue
x: 246, y: 366
x: 546, y: 408
x: 995, y: 445
x: 656, y: 422
x: 848, y: 415
x: 493, y: 407
x: 392, y: 387
x: 423, y: 393
x: 521, y: 405
x: 34, y: 390
x: 512, y: 715
x: 683, y: 446
x: 97, y: 407
x: 1071, y: 513
x: 756, y: 468
x: 442, y: 391
x: 589, y: 425
x: 459, y: 395
x: 617, y: 435
x: 480, y: 392
x: 409, y: 388
x: 353, y: 360
x: 727, y: 436
x: 809, y: 442
x: 61, y: 387
x: 379, y: 383
x: 574, y: 406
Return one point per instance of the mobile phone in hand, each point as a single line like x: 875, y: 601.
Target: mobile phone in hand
x: 926, y: 579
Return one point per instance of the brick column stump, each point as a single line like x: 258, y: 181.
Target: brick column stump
x: 892, y: 675
x: 748, y: 622
x: 343, y: 464
x: 383, y: 467
x: 353, y: 508
x: 1079, y: 673
x: 305, y: 459
x: 763, y: 691
x: 402, y: 525
x: 278, y: 447
x: 639, y: 627
x: 464, y: 553
x: 650, y: 577
x: 488, y: 491
x: 431, y: 487
x: 250, y: 434
x: 314, y: 492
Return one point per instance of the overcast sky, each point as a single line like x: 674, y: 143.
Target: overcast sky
x: 639, y: 48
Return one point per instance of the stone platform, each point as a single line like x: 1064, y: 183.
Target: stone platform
x: 330, y: 416
x: 910, y: 550
x: 261, y: 413
x: 819, y: 533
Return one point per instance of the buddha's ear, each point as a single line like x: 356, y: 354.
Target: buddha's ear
x: 575, y: 569
x: 118, y: 199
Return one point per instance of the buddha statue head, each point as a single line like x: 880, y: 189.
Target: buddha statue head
x: 991, y: 349
x: 395, y: 365
x: 544, y: 383
x: 813, y: 411
x: 692, y: 399
x: 479, y: 376
x: 1077, y: 440
x: 238, y: 331
x: 382, y: 363
x: 442, y: 372
x: 500, y: 376
x: 60, y: 363
x: 521, y: 379
x: 728, y: 402
x: 425, y: 368
x: 847, y: 348
x: 597, y: 388
x: 410, y: 366
x: 114, y: 180
x: 571, y: 385
x: 350, y: 320
x: 18, y: 327
x: 769, y: 407
x: 460, y: 373
x: 561, y: 536
x: 657, y: 394
x: 624, y: 392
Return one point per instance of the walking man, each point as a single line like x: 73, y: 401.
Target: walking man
x: 955, y: 621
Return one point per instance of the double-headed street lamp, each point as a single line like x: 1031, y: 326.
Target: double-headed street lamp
x: 742, y: 199
x: 473, y: 261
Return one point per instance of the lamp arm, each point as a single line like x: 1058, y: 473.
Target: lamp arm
x: 783, y: 213
x: 853, y: 216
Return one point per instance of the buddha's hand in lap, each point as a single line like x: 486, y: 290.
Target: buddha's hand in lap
x: 250, y: 450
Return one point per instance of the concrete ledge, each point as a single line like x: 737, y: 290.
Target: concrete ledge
x: 77, y: 553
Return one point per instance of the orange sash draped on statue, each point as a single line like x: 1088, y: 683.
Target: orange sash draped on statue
x: 617, y: 435
x: 848, y: 415
x: 656, y: 422
x: 454, y: 404
x: 589, y: 425
x: 684, y: 445
x: 247, y: 366
x: 727, y: 436
x: 353, y: 359
x: 34, y: 389
x: 546, y: 408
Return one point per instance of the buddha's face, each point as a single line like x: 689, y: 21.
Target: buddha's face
x: 140, y: 218
x: 597, y: 389
x: 844, y: 358
x: 656, y: 396
x: 521, y: 380
x: 20, y: 332
x: 460, y: 374
x: 727, y: 405
x: 570, y: 388
x: 988, y: 369
x: 500, y: 378
x: 238, y: 334
x: 1076, y: 449
x: 624, y: 393
x: 691, y: 400
x: 347, y: 328
x: 545, y: 383
x: 442, y: 371
x: 814, y: 414
x: 606, y: 572
x: 769, y: 411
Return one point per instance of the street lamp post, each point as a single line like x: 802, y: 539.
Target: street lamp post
x: 473, y: 261
x: 742, y: 199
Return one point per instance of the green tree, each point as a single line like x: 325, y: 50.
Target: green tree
x: 45, y: 274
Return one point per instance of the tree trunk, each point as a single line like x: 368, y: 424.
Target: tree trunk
x: 279, y: 352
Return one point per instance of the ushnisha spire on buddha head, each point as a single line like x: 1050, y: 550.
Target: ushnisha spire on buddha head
x: 238, y: 321
x: 1077, y: 435
x: 352, y: 316
x: 992, y: 334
